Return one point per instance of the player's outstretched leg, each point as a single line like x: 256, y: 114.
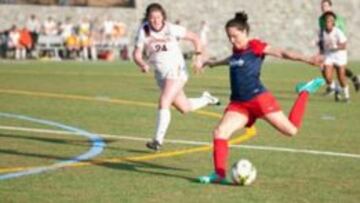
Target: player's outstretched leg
x: 212, y: 100
x: 311, y: 86
x: 304, y: 89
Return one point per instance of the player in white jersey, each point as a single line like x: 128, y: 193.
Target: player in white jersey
x: 159, y: 39
x: 335, y: 55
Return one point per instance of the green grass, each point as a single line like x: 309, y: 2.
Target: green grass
x: 80, y: 95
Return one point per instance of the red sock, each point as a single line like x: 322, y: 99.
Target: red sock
x: 220, y: 156
x: 297, y: 112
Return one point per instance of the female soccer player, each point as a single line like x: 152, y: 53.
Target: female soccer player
x: 249, y: 98
x: 326, y: 6
x: 159, y: 39
x: 335, y: 55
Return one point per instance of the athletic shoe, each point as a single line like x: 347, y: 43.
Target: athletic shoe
x: 299, y: 86
x: 212, y: 178
x: 212, y: 100
x: 338, y: 96
x: 329, y: 91
x: 154, y: 145
x: 313, y: 85
x: 356, y: 82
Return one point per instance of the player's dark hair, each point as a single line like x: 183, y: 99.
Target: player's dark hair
x: 154, y: 7
x: 239, y: 21
x: 327, y: 1
x: 328, y: 13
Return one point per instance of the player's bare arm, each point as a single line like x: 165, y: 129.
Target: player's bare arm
x: 192, y: 37
x: 340, y: 46
x: 221, y: 62
x: 138, y: 59
x: 291, y: 55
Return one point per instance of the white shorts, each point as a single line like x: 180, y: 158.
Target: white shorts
x: 336, y: 58
x: 174, y: 73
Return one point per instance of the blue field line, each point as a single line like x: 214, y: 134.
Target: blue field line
x: 97, y: 146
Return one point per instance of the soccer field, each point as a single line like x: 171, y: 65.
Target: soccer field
x: 76, y: 132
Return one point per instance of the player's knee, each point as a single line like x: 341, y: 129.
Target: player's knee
x: 183, y: 111
x: 164, y: 104
x: 291, y: 132
x: 220, y: 133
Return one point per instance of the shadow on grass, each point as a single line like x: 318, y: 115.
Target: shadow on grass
x: 128, y: 165
x: 156, y: 170
x: 147, y: 168
x: 75, y: 142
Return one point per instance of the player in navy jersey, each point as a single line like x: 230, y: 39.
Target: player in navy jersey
x: 250, y: 99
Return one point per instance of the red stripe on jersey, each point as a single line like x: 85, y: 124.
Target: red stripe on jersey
x: 255, y: 45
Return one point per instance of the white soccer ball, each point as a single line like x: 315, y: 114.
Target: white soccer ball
x: 243, y: 172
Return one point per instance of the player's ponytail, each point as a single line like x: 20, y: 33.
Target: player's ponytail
x: 240, y: 21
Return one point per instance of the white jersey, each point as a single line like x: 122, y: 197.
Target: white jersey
x: 162, y: 48
x: 331, y: 41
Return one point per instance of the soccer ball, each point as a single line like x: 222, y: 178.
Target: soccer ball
x: 243, y: 172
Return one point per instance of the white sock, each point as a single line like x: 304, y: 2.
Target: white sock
x: 17, y: 54
x: 163, y: 121
x: 23, y: 54
x: 332, y: 85
x: 85, y: 53
x: 346, y: 92
x: 198, y: 103
x: 93, y: 54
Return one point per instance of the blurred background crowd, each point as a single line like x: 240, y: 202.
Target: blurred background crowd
x: 81, y: 39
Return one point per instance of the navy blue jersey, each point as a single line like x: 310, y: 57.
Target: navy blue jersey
x: 245, y: 67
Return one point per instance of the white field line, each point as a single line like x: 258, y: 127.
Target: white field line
x: 188, y: 142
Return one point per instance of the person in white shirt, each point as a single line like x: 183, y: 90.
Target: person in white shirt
x: 335, y: 55
x: 14, y: 43
x: 159, y: 39
x: 50, y: 27
x: 108, y: 28
x: 34, y: 26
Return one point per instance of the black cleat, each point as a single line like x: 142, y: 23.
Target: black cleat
x: 356, y: 82
x: 212, y: 100
x: 329, y: 91
x: 154, y: 145
x: 338, y: 96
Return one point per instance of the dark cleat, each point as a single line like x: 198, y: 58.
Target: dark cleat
x: 153, y: 145
x: 356, y: 82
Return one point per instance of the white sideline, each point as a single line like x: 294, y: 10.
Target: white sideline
x: 188, y: 142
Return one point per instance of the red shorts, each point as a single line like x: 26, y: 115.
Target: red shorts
x: 255, y: 108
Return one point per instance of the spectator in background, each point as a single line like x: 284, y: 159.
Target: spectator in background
x: 204, y: 29
x: 120, y: 40
x: 119, y: 31
x: 108, y: 27
x: 25, y: 42
x: 34, y: 26
x: 50, y: 27
x: 14, y: 43
x: 72, y: 44
x: 66, y: 30
x: 4, y: 35
x: 84, y: 37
